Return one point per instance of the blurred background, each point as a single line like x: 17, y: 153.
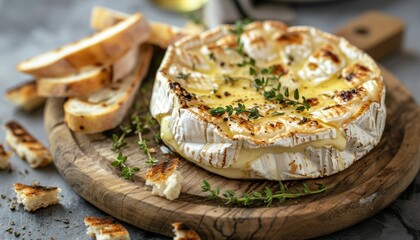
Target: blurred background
x: 31, y: 27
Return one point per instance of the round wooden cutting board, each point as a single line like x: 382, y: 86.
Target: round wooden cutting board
x: 353, y: 195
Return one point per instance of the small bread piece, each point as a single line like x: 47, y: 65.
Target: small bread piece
x: 99, y: 49
x: 106, y: 108
x: 25, y: 96
x: 165, y: 179
x: 89, y: 79
x: 26, y: 146
x: 184, y: 232
x: 162, y: 34
x: 4, y: 158
x: 35, y: 197
x: 105, y: 229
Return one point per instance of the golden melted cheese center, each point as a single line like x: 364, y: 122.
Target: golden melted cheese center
x: 333, y: 80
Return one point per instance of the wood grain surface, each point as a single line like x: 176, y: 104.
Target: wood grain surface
x: 354, y: 194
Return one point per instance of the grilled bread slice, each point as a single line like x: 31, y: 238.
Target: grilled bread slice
x: 4, y: 158
x: 26, y: 146
x: 88, y: 80
x: 184, y: 232
x: 101, y: 48
x: 25, y: 96
x: 165, y: 179
x: 106, y: 108
x: 35, y: 197
x: 105, y: 228
x: 162, y: 34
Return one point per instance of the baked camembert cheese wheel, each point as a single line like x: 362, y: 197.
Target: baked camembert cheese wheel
x: 267, y: 101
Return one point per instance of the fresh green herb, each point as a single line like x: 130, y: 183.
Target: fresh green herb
x: 184, y: 76
x: 143, y: 146
x: 267, y: 196
x: 213, y: 193
x: 143, y: 125
x: 253, y: 71
x: 240, y: 49
x: 253, y: 113
x: 296, y: 94
x: 126, y: 171
x: 260, y: 83
x: 211, y: 56
x: 304, y: 120
x: 118, y: 141
x: 218, y: 111
x: 275, y: 95
x: 228, y: 79
x: 245, y: 62
x: 269, y: 70
x: 239, y: 26
x: 277, y: 113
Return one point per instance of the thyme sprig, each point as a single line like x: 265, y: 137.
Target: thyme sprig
x: 119, y: 141
x: 253, y: 113
x: 238, y: 30
x: 285, y: 98
x: 184, y: 76
x: 138, y: 126
x: 143, y: 146
x: 126, y: 171
x: 267, y: 196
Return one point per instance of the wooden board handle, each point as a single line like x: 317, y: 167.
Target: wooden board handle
x: 377, y: 33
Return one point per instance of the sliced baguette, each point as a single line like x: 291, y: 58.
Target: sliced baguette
x: 35, y: 197
x: 25, y: 96
x: 184, y: 232
x: 26, y: 146
x: 89, y: 80
x: 106, y: 108
x: 4, y: 158
x: 162, y: 34
x: 101, y: 48
x: 102, y: 228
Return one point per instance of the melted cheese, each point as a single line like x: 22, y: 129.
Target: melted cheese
x: 342, y: 84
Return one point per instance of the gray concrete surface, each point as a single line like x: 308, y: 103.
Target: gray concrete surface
x: 29, y: 27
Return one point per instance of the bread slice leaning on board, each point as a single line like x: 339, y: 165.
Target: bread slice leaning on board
x: 101, y: 48
x: 162, y: 34
x: 89, y: 80
x: 106, y: 108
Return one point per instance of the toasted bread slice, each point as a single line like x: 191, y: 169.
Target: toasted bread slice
x: 35, y: 197
x: 101, y: 48
x: 105, y: 228
x: 162, y: 34
x: 89, y: 80
x: 165, y: 179
x: 25, y: 96
x: 106, y: 108
x: 4, y: 158
x: 184, y: 232
x: 26, y: 146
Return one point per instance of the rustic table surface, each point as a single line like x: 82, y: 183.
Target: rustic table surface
x: 31, y: 27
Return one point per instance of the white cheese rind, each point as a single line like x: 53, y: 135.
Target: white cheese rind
x: 344, y: 137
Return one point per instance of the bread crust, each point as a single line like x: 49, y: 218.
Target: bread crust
x: 25, y: 96
x: 88, y: 80
x: 91, y: 115
x: 26, y: 146
x: 101, y: 48
x: 162, y: 35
